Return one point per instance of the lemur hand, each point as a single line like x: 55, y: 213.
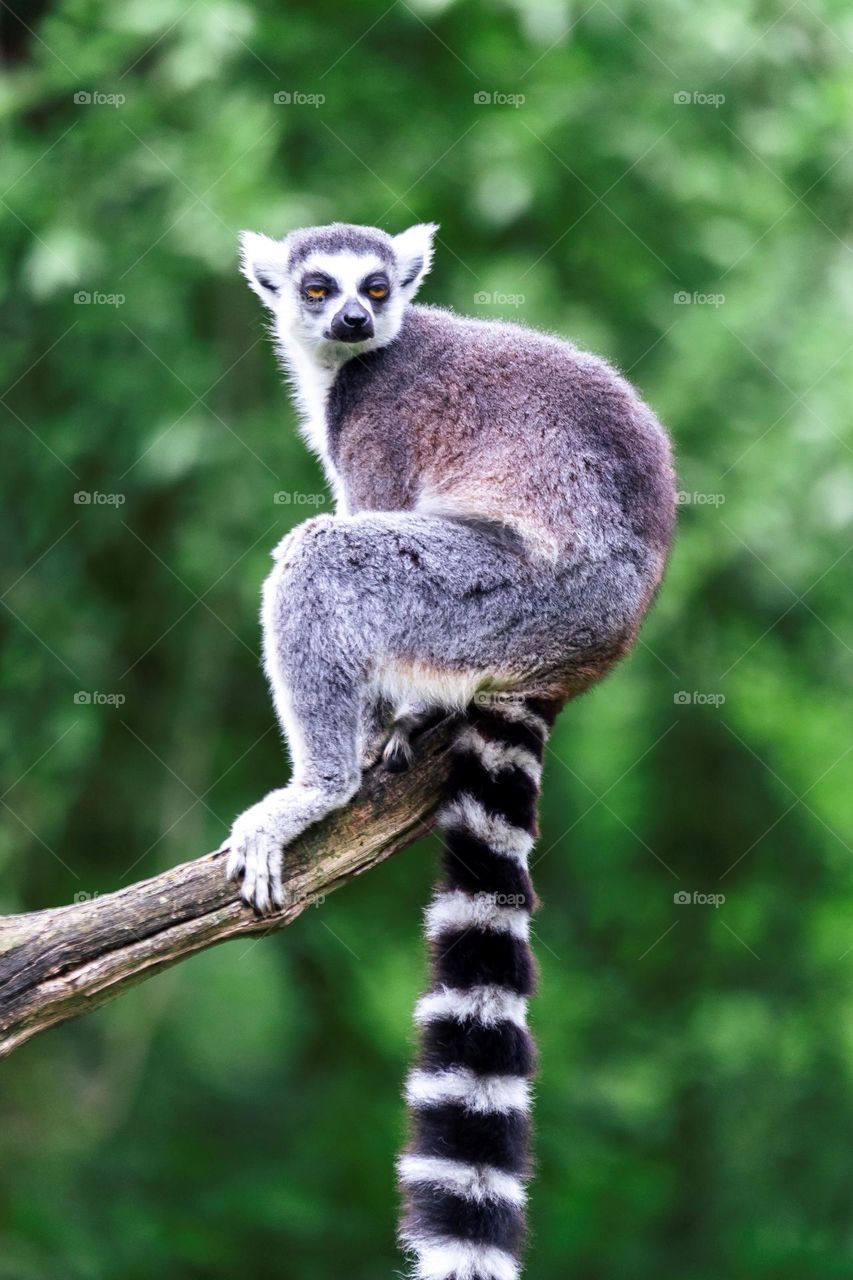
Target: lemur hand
x: 255, y: 848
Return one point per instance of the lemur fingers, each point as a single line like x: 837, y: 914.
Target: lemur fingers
x: 262, y: 878
x: 255, y: 852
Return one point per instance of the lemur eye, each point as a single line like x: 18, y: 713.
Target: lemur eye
x: 377, y: 291
x: 316, y: 292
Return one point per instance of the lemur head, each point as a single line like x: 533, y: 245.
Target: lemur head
x: 340, y: 290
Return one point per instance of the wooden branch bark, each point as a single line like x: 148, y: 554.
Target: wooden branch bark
x: 65, y: 961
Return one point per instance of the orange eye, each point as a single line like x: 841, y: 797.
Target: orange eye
x: 377, y: 291
x: 316, y: 292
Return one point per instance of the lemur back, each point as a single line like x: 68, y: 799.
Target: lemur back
x: 468, y: 418
x: 505, y: 505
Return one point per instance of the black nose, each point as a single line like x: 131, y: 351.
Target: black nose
x: 353, y: 323
x: 355, y: 319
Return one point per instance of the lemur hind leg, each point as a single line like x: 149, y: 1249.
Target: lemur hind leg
x: 346, y: 599
x: 377, y: 728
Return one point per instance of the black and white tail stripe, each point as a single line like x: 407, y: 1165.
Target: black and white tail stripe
x: 463, y: 1174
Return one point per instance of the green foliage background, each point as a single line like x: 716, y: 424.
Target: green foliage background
x: 240, y: 1114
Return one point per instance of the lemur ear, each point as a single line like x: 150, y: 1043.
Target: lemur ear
x: 263, y: 262
x: 414, y: 254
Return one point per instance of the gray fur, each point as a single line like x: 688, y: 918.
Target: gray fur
x: 337, y: 238
x: 505, y: 509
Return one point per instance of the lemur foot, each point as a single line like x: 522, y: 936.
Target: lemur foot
x: 255, y: 852
x: 398, y: 754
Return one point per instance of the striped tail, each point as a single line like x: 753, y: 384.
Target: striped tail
x: 463, y: 1174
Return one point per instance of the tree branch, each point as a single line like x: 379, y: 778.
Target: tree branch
x: 66, y: 961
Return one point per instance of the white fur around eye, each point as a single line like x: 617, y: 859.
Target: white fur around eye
x: 348, y: 270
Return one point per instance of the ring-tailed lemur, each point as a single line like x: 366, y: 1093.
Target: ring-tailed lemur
x: 505, y: 506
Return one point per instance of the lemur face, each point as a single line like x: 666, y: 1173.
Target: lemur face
x: 340, y: 290
x: 342, y: 297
